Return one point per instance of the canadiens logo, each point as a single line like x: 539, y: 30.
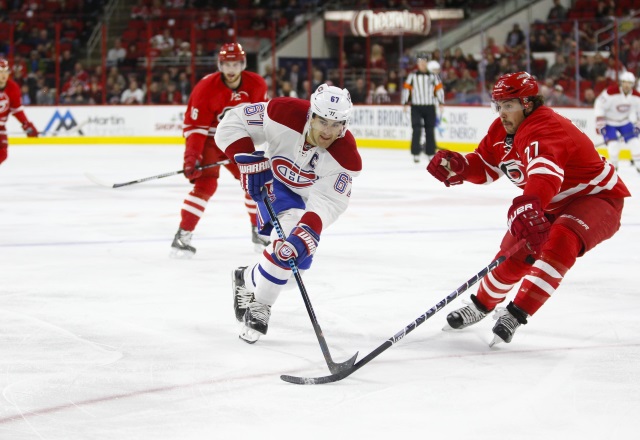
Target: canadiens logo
x: 513, y: 170
x: 285, y: 171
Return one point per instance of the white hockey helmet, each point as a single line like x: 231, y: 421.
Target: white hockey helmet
x: 433, y: 66
x: 627, y: 77
x: 332, y: 103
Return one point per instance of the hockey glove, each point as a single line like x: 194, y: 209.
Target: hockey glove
x: 30, y: 129
x: 191, y: 165
x: 255, y: 170
x: 526, y: 220
x: 600, y: 123
x: 301, y: 243
x: 448, y: 167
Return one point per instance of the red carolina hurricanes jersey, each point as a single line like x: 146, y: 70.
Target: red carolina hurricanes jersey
x: 211, y: 98
x: 10, y: 103
x: 548, y: 152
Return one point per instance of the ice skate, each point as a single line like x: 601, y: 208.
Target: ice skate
x: 468, y: 315
x: 181, y: 247
x: 416, y: 159
x: 255, y: 322
x: 241, y: 296
x: 508, y: 320
x: 259, y: 241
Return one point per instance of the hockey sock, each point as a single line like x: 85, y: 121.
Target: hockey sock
x: 546, y: 274
x: 613, y: 148
x: 634, y: 146
x: 495, y: 286
x: 195, y: 204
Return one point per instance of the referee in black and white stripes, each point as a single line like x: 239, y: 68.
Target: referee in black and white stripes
x: 423, y: 90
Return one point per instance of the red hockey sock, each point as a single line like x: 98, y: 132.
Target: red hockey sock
x: 194, y: 205
x: 252, y: 208
x: 558, y: 256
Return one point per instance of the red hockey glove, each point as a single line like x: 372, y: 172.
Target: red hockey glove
x: 191, y: 165
x: 526, y: 220
x: 30, y: 129
x: 448, y: 167
x: 301, y: 243
x: 600, y: 123
x: 255, y: 172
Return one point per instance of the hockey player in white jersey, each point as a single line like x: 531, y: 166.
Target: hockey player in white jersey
x: 307, y: 168
x: 613, y: 110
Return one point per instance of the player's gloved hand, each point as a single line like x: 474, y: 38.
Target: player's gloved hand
x: 30, y: 129
x: 448, y: 167
x: 301, y: 243
x: 191, y: 165
x: 600, y: 123
x: 525, y: 219
x: 256, y: 173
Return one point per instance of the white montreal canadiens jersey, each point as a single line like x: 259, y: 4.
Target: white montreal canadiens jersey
x: 617, y: 108
x: 321, y: 177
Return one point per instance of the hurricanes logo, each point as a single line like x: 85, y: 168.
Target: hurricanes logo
x: 4, y: 103
x: 64, y: 122
x: 239, y: 96
x: 513, y: 170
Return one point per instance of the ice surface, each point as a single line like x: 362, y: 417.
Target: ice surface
x: 102, y: 336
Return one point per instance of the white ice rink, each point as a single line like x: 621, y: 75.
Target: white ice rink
x: 103, y: 337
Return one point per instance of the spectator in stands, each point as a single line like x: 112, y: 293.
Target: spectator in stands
x: 465, y: 89
x: 133, y: 95
x: 35, y: 64
x: 558, y: 98
x: 294, y: 77
x: 557, y: 69
x: 184, y: 86
x: 605, y: 9
x: 131, y: 59
x: 223, y: 19
x: 631, y: 57
x: 515, y: 38
x: 67, y: 63
x: 600, y: 67
x: 491, y: 68
x: 24, y: 94
x: 305, y: 90
x: 43, y: 94
x: 589, y: 98
x: 164, y: 43
x: 472, y: 63
x: 171, y: 95
x: 259, y: 21
x: 492, y: 48
x: 286, y: 89
x: 557, y: 12
x: 614, y: 69
x: 393, y: 82
x: 542, y: 44
x: 155, y: 96
x: 114, y: 92
x: 116, y: 54
x: 377, y: 62
x: 317, y: 78
x: 96, y: 92
x: 359, y: 91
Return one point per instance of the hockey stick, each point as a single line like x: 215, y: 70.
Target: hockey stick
x: 48, y: 134
x: 100, y: 182
x: 408, y: 329
x: 335, y: 368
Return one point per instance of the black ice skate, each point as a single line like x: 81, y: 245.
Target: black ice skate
x: 508, y: 320
x: 256, y: 322
x: 181, y: 247
x: 241, y: 296
x: 468, y: 315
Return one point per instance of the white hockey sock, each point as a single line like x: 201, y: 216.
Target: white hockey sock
x: 613, y: 148
x: 634, y: 146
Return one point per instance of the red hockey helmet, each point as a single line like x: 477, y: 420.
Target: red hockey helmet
x: 232, y: 52
x: 4, y: 65
x: 519, y: 85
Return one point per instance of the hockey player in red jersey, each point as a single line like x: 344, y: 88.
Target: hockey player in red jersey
x: 211, y: 98
x: 11, y: 104
x: 572, y: 201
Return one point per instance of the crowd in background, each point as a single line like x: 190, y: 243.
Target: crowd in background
x: 375, y: 78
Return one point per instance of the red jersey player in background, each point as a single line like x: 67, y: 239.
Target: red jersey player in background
x: 11, y: 104
x: 214, y: 95
x: 572, y: 201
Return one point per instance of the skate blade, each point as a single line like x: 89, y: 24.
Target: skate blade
x: 496, y: 340
x: 249, y: 335
x: 179, y: 254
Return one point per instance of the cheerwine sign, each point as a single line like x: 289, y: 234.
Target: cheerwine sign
x: 370, y: 22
